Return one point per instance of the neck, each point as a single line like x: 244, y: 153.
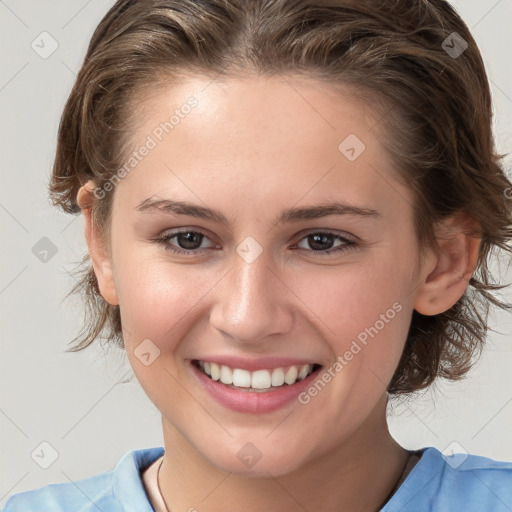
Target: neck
x: 359, y: 474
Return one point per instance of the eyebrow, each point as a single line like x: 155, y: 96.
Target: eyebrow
x: 290, y: 215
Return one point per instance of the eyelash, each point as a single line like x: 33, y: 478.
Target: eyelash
x: 165, y: 239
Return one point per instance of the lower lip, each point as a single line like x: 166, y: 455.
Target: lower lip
x: 253, y: 401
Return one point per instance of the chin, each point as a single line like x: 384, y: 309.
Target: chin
x: 249, y: 461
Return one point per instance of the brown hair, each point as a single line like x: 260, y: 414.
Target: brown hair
x: 436, y: 123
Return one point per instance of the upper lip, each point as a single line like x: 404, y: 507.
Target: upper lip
x: 261, y: 363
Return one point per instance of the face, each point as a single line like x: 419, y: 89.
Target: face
x: 249, y: 270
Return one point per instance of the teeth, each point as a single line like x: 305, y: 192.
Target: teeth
x: 291, y: 375
x: 278, y: 377
x: 303, y: 372
x: 226, y: 375
x: 241, y: 378
x: 214, y: 368
x: 259, y: 379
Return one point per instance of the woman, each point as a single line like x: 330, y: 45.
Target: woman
x: 289, y: 207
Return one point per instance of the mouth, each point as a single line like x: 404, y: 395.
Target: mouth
x: 263, y: 380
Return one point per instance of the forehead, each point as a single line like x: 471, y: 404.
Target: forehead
x: 259, y: 140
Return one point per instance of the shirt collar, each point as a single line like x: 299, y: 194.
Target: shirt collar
x: 127, y: 484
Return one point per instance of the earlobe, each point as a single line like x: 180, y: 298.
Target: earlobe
x: 455, y: 263
x: 101, y: 260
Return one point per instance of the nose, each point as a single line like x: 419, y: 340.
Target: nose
x: 252, y: 302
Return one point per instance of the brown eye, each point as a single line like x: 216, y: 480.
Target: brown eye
x: 189, y: 240
x: 324, y: 243
x: 320, y: 241
x: 184, y: 242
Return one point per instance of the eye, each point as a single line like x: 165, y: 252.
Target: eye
x: 184, y: 242
x: 323, y: 242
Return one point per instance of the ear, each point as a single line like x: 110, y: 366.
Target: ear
x: 101, y: 260
x: 455, y: 262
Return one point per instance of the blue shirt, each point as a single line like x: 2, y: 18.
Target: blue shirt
x: 436, y: 483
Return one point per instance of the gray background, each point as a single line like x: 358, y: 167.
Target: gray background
x: 75, y: 402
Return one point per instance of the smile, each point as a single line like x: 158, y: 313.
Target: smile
x: 265, y: 379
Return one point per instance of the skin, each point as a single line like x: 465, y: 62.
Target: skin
x: 251, y: 148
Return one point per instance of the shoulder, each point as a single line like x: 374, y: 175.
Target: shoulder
x: 477, y: 483
x: 91, y: 493
x: 110, y: 491
x: 460, y: 481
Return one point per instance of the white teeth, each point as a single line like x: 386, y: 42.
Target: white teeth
x: 303, y: 372
x: 259, y: 379
x: 214, y: 368
x: 278, y: 377
x: 291, y: 375
x: 241, y: 378
x: 226, y: 375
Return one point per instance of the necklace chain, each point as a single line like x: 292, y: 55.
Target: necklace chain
x: 158, y: 484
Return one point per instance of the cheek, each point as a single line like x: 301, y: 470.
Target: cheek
x: 159, y: 302
x: 364, y: 312
x: 349, y: 298
x: 157, y: 298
